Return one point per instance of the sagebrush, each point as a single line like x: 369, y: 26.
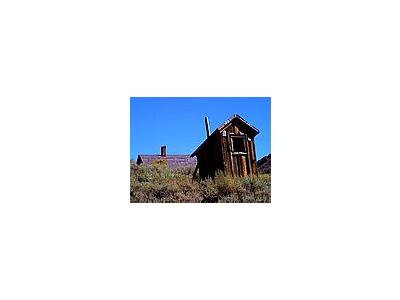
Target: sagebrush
x: 158, y: 183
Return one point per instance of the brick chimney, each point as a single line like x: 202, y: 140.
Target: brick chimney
x: 163, y: 151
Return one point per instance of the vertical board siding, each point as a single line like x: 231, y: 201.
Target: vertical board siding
x: 243, y: 161
x: 217, y: 153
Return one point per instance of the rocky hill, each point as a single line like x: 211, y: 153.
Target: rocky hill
x: 264, y: 165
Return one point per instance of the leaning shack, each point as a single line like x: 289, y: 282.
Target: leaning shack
x: 230, y: 149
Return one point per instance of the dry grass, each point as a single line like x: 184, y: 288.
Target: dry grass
x: 158, y: 183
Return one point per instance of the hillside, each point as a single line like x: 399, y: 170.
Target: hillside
x: 158, y: 183
x: 264, y: 165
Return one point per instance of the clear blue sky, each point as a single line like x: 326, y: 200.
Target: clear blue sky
x: 178, y: 122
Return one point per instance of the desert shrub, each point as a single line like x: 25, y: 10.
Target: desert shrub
x: 230, y: 199
x: 160, y: 162
x: 154, y: 192
x: 185, y: 184
x: 188, y: 189
x: 188, y: 171
x: 257, y: 188
x: 230, y: 189
x: 252, y: 185
x: 208, y: 190
x: 158, y: 183
x: 225, y: 185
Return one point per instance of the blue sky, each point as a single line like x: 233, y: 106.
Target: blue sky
x: 178, y: 122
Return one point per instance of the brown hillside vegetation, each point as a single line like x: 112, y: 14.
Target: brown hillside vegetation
x: 158, y: 183
x: 264, y: 165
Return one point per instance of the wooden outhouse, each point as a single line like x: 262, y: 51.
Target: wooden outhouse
x: 229, y: 149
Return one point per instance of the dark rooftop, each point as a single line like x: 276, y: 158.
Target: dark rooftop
x: 173, y: 161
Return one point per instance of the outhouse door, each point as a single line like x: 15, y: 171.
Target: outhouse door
x: 240, y: 155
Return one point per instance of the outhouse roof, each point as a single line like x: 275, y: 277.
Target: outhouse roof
x: 222, y: 127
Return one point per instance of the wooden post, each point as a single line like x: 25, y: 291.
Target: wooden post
x: 231, y: 157
x: 207, y: 126
x: 244, y: 168
x: 248, y: 156
x: 255, y: 156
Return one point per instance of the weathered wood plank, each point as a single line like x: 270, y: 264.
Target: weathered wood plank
x: 244, y: 168
x: 248, y: 159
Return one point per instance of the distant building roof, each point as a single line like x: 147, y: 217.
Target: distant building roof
x: 173, y: 161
